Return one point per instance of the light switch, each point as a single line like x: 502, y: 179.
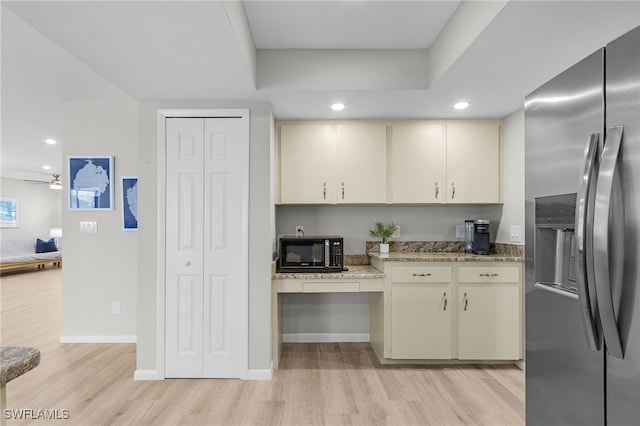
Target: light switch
x: 88, y: 227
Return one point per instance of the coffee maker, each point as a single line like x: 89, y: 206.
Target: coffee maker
x: 481, y: 236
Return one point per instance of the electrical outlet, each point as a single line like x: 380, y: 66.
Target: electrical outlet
x: 115, y: 308
x: 515, y: 234
x: 299, y: 231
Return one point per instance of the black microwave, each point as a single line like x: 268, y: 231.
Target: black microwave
x: 311, y: 254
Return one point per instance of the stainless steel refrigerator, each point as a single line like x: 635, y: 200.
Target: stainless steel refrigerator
x: 582, y: 214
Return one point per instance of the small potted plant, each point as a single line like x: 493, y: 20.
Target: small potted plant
x: 384, y: 232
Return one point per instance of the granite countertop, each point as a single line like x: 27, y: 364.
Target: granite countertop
x: 443, y: 251
x: 16, y: 361
x: 406, y: 251
x: 442, y: 257
x: 354, y: 272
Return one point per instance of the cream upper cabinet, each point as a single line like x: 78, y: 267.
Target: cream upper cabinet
x: 453, y: 162
x: 420, y: 162
x: 473, y: 162
x: 307, y: 164
x: 361, y: 163
x: 418, y: 169
x: 325, y: 163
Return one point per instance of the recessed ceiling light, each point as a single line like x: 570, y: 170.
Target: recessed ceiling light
x: 50, y: 141
x: 461, y: 105
x: 337, y: 107
x: 46, y: 167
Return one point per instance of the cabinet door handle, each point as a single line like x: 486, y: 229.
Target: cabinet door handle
x: 324, y: 190
x: 343, y: 190
x: 422, y: 275
x: 444, y: 308
x: 466, y: 302
x: 453, y: 190
x: 489, y: 275
x: 437, y: 190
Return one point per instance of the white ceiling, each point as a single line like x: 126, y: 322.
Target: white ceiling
x: 347, y: 24
x: 383, y: 59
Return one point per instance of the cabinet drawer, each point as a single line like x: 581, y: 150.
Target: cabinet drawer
x: 421, y: 274
x: 488, y: 274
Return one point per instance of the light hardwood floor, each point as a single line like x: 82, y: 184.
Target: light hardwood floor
x: 317, y: 384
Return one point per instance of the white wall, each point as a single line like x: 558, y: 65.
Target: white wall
x: 417, y: 223
x: 326, y: 316
x: 261, y: 233
x: 39, y: 208
x: 100, y: 268
x: 513, y: 177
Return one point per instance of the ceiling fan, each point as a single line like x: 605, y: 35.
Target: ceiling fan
x: 54, y: 183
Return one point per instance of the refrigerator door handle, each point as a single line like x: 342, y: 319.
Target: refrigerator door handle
x: 601, y: 223
x: 584, y: 215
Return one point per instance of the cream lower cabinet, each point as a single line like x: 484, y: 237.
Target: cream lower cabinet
x: 488, y: 312
x: 421, y: 312
x: 488, y: 322
x: 451, y: 311
x: 420, y: 321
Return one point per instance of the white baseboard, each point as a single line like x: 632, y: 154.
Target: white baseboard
x: 265, y: 374
x: 325, y: 337
x: 98, y: 339
x: 147, y: 375
x: 521, y: 365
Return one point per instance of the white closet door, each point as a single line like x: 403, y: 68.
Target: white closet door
x: 225, y: 270
x: 184, y: 242
x: 206, y: 248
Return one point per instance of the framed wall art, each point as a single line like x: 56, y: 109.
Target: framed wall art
x: 129, y: 203
x: 9, y: 209
x: 90, y: 183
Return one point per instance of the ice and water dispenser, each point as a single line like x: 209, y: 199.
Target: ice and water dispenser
x: 555, y: 254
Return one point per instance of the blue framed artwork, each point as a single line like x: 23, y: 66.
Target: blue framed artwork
x: 9, y: 212
x: 130, y: 203
x: 90, y: 183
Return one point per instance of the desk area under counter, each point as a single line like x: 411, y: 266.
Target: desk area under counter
x: 357, y: 279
